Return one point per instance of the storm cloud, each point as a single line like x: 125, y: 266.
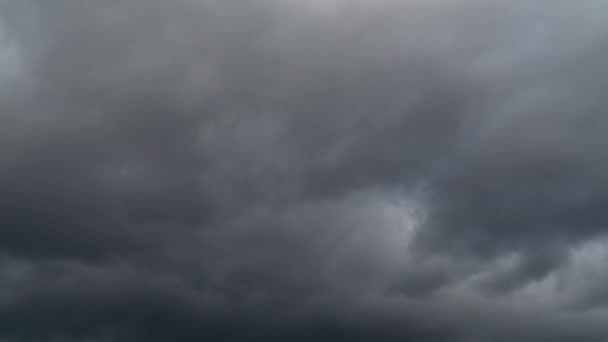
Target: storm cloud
x: 339, y: 170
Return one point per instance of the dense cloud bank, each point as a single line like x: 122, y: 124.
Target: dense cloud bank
x: 206, y: 170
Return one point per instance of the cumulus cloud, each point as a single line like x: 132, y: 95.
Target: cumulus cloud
x: 303, y: 170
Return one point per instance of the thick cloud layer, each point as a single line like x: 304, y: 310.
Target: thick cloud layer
x: 190, y: 170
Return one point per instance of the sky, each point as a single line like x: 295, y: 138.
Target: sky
x: 303, y: 170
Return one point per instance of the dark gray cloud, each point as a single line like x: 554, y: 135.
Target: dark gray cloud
x: 303, y: 170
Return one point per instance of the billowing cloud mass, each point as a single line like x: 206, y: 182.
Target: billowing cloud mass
x: 282, y: 170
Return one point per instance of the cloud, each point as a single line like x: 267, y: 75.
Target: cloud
x: 282, y: 170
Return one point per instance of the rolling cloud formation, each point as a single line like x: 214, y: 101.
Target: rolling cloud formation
x: 344, y: 170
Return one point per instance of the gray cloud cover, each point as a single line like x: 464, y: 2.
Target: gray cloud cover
x: 191, y: 170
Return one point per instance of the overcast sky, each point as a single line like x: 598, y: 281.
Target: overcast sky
x: 303, y: 170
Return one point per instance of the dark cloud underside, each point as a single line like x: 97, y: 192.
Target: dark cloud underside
x: 303, y: 170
